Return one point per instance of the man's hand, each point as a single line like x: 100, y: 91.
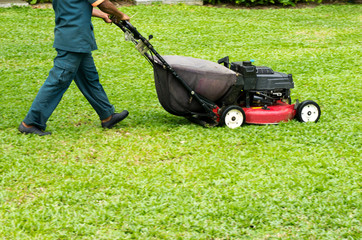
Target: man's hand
x: 124, y: 18
x: 107, y: 7
x: 100, y: 14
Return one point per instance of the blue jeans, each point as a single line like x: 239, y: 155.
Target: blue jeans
x: 69, y: 66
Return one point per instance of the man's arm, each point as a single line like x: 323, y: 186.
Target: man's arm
x: 107, y: 8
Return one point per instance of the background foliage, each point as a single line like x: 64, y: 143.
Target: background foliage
x: 38, y: 1
x: 241, y: 2
x: 157, y: 176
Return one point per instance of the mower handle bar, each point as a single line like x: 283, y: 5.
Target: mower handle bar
x: 126, y: 26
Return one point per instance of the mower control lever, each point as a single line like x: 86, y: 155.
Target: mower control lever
x: 225, y: 61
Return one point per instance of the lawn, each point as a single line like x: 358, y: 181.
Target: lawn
x: 158, y: 176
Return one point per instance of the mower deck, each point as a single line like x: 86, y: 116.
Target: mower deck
x: 281, y: 112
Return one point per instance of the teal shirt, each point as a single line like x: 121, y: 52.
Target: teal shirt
x: 73, y: 30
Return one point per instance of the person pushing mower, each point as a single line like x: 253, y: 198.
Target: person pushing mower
x: 74, y: 42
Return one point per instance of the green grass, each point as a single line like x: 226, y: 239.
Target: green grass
x: 157, y: 176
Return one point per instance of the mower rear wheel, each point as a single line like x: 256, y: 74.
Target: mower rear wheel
x: 308, y: 111
x: 233, y: 117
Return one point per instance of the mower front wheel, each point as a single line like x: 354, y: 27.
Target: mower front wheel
x: 233, y: 117
x: 308, y: 111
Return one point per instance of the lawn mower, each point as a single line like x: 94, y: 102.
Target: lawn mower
x: 222, y: 93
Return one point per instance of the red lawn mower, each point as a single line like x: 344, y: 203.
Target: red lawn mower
x: 222, y: 93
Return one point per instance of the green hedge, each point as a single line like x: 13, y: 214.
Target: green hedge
x: 274, y: 2
x: 261, y: 2
x: 243, y: 2
x: 38, y: 1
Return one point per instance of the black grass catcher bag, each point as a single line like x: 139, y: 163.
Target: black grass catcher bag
x: 208, y: 79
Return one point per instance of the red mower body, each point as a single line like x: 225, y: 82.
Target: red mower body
x: 280, y: 112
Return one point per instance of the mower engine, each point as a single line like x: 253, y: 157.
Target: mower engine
x: 262, y: 86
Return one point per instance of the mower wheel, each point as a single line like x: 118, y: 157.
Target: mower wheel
x: 308, y: 111
x: 233, y: 117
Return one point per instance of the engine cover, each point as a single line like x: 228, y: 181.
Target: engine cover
x: 274, y: 81
x: 261, y: 78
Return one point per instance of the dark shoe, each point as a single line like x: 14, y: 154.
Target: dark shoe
x: 32, y: 130
x: 115, y: 118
